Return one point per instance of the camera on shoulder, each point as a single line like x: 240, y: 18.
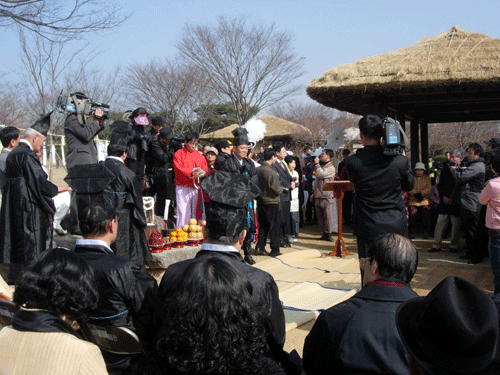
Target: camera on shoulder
x: 79, y: 103
x: 393, y: 137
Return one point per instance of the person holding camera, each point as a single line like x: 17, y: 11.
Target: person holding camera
x: 379, y: 181
x: 81, y: 146
x: 470, y: 182
x: 325, y: 204
x: 138, y: 143
x: 161, y: 151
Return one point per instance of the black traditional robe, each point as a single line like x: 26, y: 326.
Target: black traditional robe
x: 130, y: 241
x: 127, y: 298
x: 27, y: 213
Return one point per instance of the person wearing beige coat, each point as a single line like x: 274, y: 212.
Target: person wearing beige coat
x: 419, y: 202
x: 325, y: 203
x: 48, y: 353
x: 54, y: 292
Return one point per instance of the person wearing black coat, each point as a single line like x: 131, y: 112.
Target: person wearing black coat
x: 379, y: 182
x: 448, y: 209
x: 127, y: 293
x: 224, y: 235
x: 161, y: 156
x: 131, y: 241
x: 359, y: 336
x: 138, y: 143
x: 27, y: 206
x: 288, y: 184
x: 239, y: 163
x: 224, y: 150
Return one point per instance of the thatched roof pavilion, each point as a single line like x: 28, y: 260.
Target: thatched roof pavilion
x: 276, y: 128
x: 450, y: 77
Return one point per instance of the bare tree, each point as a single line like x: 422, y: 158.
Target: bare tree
x: 49, y: 70
x: 460, y: 134
x: 44, y: 62
x: 173, y: 89
x: 320, y: 120
x: 99, y: 85
x: 60, y: 18
x: 249, y: 66
x: 12, y: 108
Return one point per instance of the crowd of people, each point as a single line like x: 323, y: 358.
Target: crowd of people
x: 215, y: 313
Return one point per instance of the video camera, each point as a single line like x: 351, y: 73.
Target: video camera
x: 79, y: 103
x: 394, y: 138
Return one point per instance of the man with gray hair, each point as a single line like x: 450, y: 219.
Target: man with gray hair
x: 27, y: 207
x: 360, y: 335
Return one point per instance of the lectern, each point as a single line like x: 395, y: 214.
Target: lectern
x: 338, y: 188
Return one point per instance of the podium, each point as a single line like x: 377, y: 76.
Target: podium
x: 338, y: 188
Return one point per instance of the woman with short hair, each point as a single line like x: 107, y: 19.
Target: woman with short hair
x: 55, y: 291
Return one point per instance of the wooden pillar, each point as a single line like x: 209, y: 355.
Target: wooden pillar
x: 415, y: 150
x: 424, y: 141
x: 402, y: 120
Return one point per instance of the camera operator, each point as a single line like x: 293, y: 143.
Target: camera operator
x: 138, y: 143
x: 379, y: 182
x: 161, y: 154
x: 81, y: 146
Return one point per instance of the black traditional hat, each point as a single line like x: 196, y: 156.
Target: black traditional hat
x: 240, y: 136
x: 120, y: 132
x: 229, y: 194
x: 42, y: 125
x: 454, y: 329
x: 89, y: 181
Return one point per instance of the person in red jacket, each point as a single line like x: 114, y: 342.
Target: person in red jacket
x: 189, y: 165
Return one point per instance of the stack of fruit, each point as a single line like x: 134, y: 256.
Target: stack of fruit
x: 178, y: 237
x: 194, y: 232
x: 156, y: 242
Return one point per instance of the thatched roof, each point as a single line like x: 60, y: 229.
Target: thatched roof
x: 447, y: 68
x: 275, y: 127
x: 224, y: 133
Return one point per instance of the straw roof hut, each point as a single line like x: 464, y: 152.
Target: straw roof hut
x: 450, y: 77
x: 276, y: 128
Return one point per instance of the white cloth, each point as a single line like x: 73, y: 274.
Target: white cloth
x: 294, y: 200
x: 62, y: 202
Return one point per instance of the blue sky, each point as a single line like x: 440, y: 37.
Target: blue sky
x: 327, y: 33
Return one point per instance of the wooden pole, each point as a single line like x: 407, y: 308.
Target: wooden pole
x: 415, y: 151
x: 424, y: 140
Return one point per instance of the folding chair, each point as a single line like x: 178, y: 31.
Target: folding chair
x: 118, y: 340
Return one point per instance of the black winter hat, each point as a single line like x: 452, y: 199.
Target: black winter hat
x: 454, y: 329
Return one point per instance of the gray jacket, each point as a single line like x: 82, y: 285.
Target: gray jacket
x: 3, y: 158
x: 470, y: 180
x: 80, y: 141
